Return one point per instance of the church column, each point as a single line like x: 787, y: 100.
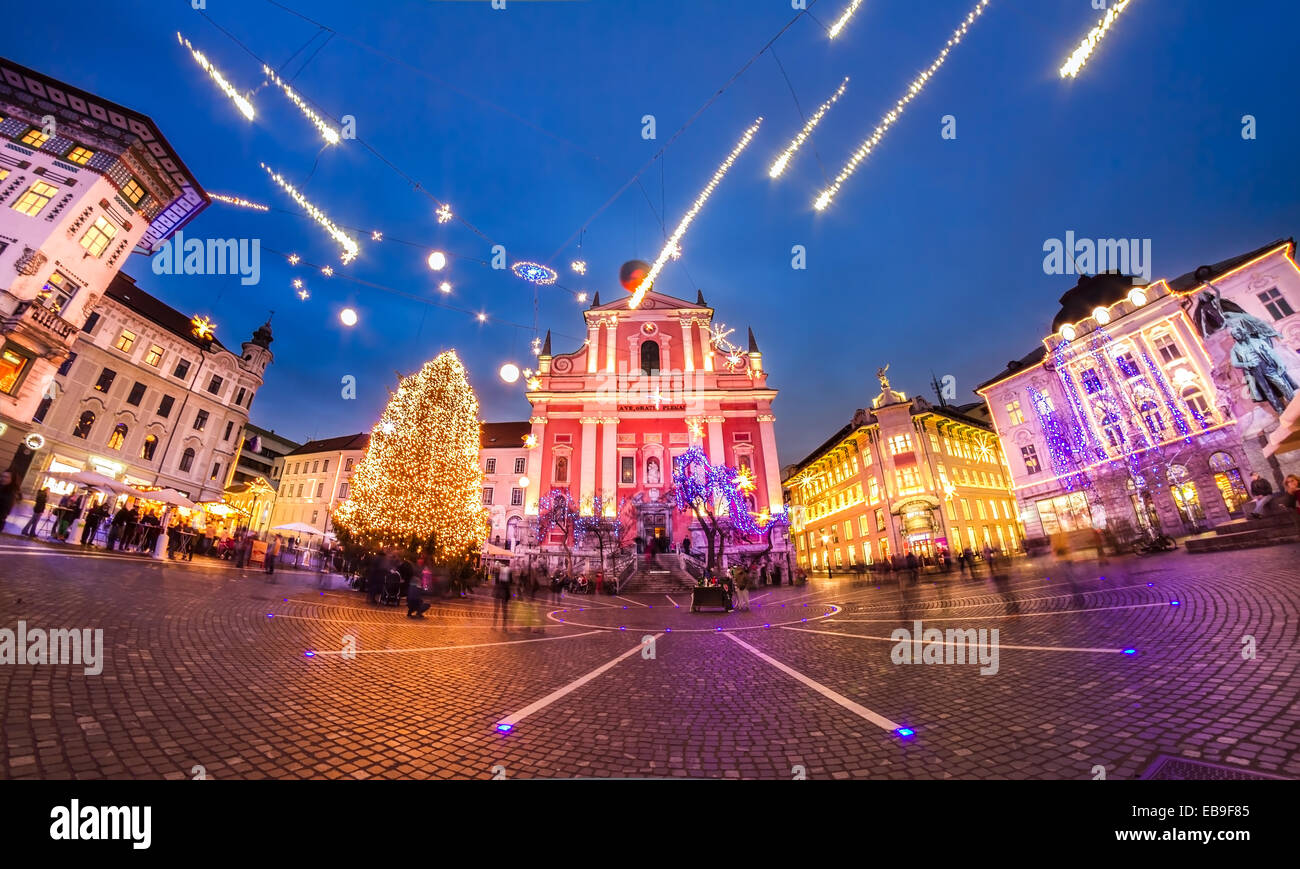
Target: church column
x: 717, y: 456
x: 587, y: 477
x: 706, y: 349
x: 609, y: 462
x: 611, y: 349
x: 771, y: 466
x: 593, y: 346
x: 535, y: 469
x: 688, y: 344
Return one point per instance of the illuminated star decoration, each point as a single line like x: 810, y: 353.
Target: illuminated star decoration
x: 984, y: 450
x: 530, y: 441
x: 304, y: 295
x: 297, y: 283
x: 579, y: 266
x: 235, y: 200
x: 444, y: 213
x: 844, y: 19
x: 736, y: 358
x: 891, y: 117
x: 534, y: 384
x: 695, y: 427
x: 784, y: 160
x: 376, y: 235
x: 672, y: 244
x: 294, y: 259
x: 203, y: 328
x: 350, y: 247
x: 445, y: 286
x: 582, y: 297
x: 949, y: 490
x: 537, y: 346
x: 744, y: 480
x: 1076, y: 61
x: 241, y: 102
x: 327, y: 271
x: 328, y: 133
x: 676, y: 252
x: 534, y: 272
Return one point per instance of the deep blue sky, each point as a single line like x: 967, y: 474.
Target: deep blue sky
x: 930, y: 258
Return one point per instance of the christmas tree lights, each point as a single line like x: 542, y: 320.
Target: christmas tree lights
x: 420, y: 480
x: 891, y: 117
x: 241, y: 102
x: 1076, y: 61
x: 349, y: 245
x: 784, y: 160
x: 328, y: 133
x: 672, y: 246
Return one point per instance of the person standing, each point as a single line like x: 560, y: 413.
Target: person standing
x: 10, y: 492
x: 272, y: 550
x: 501, y: 598
x: 42, y: 497
x: 1261, y: 491
x: 93, y: 518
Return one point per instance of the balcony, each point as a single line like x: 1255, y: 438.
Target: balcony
x: 45, y: 317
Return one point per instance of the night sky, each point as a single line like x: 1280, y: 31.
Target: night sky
x: 527, y: 120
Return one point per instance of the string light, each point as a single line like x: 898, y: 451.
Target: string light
x: 235, y: 200
x: 535, y: 273
x: 482, y: 318
x: 445, y: 286
x: 297, y: 283
x: 327, y: 271
x: 304, y: 295
x: 328, y: 133
x: 582, y: 297
x: 784, y: 160
x: 294, y: 259
x: 578, y: 266
x: 1079, y: 57
x: 639, y: 293
x: 892, y: 116
x: 241, y: 102
x: 444, y: 213
x: 376, y: 235
x: 844, y: 19
x: 348, y: 317
x: 350, y: 247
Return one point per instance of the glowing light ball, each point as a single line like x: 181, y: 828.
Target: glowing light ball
x: 509, y: 372
x: 1101, y: 315
x: 523, y: 482
x: 632, y: 273
x: 1068, y: 333
x: 348, y: 317
x: 437, y: 260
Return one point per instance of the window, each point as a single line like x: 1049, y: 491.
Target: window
x: 880, y: 519
x: 1198, y: 407
x: 118, y: 437
x: 13, y: 365
x: 900, y: 444
x: 908, y: 481
x: 863, y: 527
x: 347, y: 466
x: 165, y: 406
x: 201, y: 420
x: 650, y: 357
x: 1151, y: 415
x: 487, y: 497
x: 491, y: 467
x: 1276, y: 306
x: 35, y: 199
x: 136, y: 396
x: 132, y: 192
x: 325, y: 467
x: 84, y: 423
x: 1167, y: 347
x: 96, y: 239
x: 146, y: 450
x: 315, y: 466
x: 965, y: 508
x: 1030, y: 456
x: 627, y: 470
x: 239, y: 399
x: 105, y: 381
x: 875, y: 489
x: 216, y: 470
x: 42, y: 409
x: 848, y: 530
x: 79, y: 155
x: 182, y: 369
x: 187, y: 459
x: 343, y: 491
x: 230, y: 425
x: 521, y: 465
x: 1091, y: 381
x: 57, y: 292
x: 516, y: 497
x: 34, y: 137
x: 1127, y: 364
x: 125, y: 341
x: 154, y: 356
x: 91, y: 322
x: 215, y: 384
x: 1014, y: 413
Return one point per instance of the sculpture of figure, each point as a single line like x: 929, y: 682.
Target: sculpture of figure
x: 652, y: 477
x: 1254, y: 354
x: 884, y: 380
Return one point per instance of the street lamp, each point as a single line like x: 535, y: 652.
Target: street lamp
x: 826, y: 556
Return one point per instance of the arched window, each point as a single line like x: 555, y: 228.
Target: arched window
x: 1228, y: 480
x: 187, y: 459
x: 84, y: 423
x: 118, y: 437
x: 650, y: 357
x: 1151, y: 415
x: 150, y: 444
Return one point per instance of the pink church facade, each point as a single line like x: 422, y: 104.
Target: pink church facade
x: 610, y: 417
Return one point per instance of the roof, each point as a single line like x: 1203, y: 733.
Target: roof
x: 1015, y: 366
x: 358, y: 441
x: 500, y: 435
x: 124, y: 291
x: 1189, y: 281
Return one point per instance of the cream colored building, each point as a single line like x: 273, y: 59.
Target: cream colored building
x: 314, y: 479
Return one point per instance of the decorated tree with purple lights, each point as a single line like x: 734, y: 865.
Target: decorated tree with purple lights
x: 715, y: 495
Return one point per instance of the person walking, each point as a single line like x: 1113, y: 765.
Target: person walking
x: 501, y: 597
x: 376, y: 571
x: 10, y: 492
x: 1261, y: 491
x: 742, y: 589
x: 272, y: 551
x: 42, y: 498
x: 416, y: 605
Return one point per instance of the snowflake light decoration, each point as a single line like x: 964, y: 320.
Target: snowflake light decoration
x: 444, y: 213
x: 534, y: 273
x: 203, y: 328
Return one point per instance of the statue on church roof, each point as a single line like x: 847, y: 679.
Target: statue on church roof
x: 884, y: 379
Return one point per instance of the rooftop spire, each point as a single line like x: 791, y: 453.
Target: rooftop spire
x: 546, y: 345
x: 699, y: 299
x: 753, y: 345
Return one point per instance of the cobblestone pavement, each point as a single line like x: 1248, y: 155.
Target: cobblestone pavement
x: 206, y: 667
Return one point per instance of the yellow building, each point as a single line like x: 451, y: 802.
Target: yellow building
x: 904, y: 476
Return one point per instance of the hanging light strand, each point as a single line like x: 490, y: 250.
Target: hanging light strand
x: 1079, y: 57
x: 328, y: 133
x: 891, y: 117
x: 241, y: 102
x: 672, y: 244
x: 235, y: 200
x: 784, y: 160
x: 349, y: 245
x: 844, y: 19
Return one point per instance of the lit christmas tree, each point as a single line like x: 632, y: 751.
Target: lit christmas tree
x: 420, y: 485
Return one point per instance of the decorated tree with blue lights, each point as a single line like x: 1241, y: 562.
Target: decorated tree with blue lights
x: 606, y: 529
x: 715, y: 495
x: 557, y: 511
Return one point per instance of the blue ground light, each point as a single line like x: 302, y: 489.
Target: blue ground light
x: 1175, y: 603
x: 1130, y: 651
x: 309, y: 654
x: 905, y: 732
x: 505, y: 728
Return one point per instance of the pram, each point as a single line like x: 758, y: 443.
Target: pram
x: 392, y: 593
